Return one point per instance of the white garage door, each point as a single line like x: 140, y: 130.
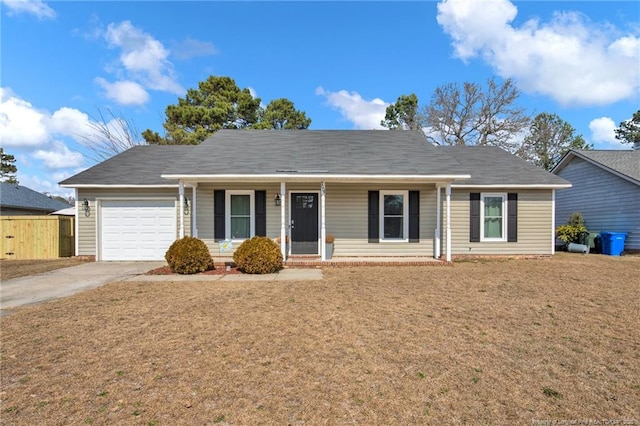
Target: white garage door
x: 137, y: 229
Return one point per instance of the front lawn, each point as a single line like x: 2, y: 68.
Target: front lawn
x: 482, y: 342
x: 21, y: 268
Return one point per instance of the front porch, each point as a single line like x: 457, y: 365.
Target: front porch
x: 400, y: 222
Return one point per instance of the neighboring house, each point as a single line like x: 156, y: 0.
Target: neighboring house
x: 606, y: 190
x: 380, y: 193
x: 17, y: 200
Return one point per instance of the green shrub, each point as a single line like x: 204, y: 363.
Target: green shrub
x: 570, y: 233
x: 189, y: 256
x: 258, y: 255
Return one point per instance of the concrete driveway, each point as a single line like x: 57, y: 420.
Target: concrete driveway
x: 64, y: 282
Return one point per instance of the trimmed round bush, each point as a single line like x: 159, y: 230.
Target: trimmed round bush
x: 258, y: 255
x: 189, y: 255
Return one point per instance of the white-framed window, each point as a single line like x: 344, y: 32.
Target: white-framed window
x: 240, y: 215
x: 394, y: 215
x: 493, y: 216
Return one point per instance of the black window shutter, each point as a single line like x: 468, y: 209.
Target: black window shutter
x: 218, y: 215
x: 474, y: 225
x: 512, y: 221
x: 374, y: 217
x: 414, y: 216
x: 261, y: 213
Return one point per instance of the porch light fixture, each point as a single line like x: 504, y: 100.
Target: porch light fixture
x: 187, y: 206
x: 277, y: 200
x: 85, y: 207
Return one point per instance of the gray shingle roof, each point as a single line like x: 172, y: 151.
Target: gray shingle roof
x: 18, y: 196
x: 326, y: 152
x: 490, y: 165
x: 623, y: 162
x: 140, y: 165
x: 321, y: 151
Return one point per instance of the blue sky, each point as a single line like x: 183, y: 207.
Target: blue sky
x: 340, y: 62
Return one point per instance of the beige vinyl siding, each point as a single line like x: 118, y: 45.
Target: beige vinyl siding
x: 87, y: 226
x: 204, y: 219
x: 347, y: 219
x: 346, y: 216
x: 534, y: 224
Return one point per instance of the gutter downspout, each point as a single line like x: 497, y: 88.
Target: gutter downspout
x: 448, y: 193
x: 323, y: 230
x: 436, y: 251
x: 553, y: 221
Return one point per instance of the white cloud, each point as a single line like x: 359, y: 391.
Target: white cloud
x: 603, y: 135
x: 192, y: 48
x: 20, y: 123
x: 362, y: 113
x: 40, y: 141
x: 23, y: 125
x: 602, y: 130
x: 143, y: 58
x: 70, y: 122
x: 59, y: 157
x: 33, y: 7
x: 570, y: 59
x: 124, y: 92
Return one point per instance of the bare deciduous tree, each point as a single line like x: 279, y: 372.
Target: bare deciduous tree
x: 473, y: 115
x: 110, y: 134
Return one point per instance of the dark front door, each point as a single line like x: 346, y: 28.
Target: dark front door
x: 304, y: 223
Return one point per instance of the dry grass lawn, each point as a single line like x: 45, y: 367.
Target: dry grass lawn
x: 486, y: 342
x: 21, y: 268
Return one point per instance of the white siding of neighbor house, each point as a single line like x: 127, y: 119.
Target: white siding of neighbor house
x: 534, y: 224
x: 87, y: 226
x: 606, y: 201
x: 346, y: 216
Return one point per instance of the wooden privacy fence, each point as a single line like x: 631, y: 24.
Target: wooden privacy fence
x: 36, y: 237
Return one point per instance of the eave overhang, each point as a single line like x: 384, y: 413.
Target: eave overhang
x: 297, y: 177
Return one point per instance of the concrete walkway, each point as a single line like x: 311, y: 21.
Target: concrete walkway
x: 64, y: 282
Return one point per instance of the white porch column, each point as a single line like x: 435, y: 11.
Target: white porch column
x: 323, y: 229
x: 448, y: 193
x: 283, y: 224
x: 437, y: 239
x: 194, y: 224
x: 181, y: 209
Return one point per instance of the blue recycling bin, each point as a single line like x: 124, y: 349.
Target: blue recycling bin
x: 613, y: 243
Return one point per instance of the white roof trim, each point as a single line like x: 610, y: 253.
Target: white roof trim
x: 278, y: 177
x: 522, y: 186
x: 88, y: 185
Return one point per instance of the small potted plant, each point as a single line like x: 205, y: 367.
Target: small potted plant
x: 329, y: 239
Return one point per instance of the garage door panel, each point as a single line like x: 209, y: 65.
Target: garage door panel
x: 137, y: 229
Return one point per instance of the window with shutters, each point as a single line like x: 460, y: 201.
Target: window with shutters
x: 493, y: 224
x: 394, y: 215
x: 240, y: 215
